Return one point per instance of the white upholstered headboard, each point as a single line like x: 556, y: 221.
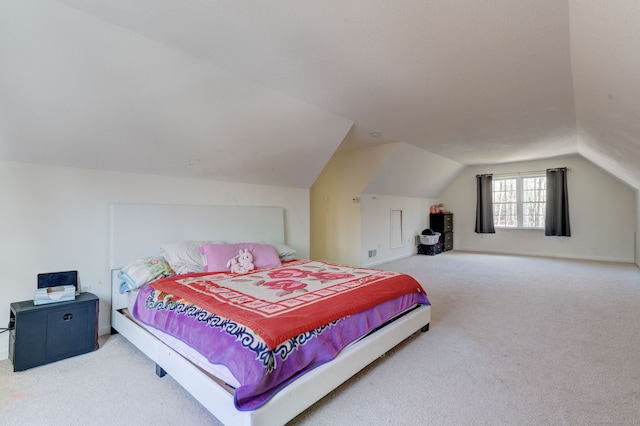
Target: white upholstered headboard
x: 137, y: 230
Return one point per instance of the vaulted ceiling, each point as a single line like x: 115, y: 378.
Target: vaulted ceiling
x: 267, y: 92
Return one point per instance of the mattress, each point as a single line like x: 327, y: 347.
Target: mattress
x: 217, y: 371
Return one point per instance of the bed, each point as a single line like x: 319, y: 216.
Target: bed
x: 137, y: 230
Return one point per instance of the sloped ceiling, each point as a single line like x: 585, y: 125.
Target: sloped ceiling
x: 267, y: 91
x: 605, y: 56
x: 413, y: 172
x: 78, y: 91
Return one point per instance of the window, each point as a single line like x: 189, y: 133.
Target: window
x: 519, y: 201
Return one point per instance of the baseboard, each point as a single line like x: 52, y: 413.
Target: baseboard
x: 104, y: 330
x: 552, y: 256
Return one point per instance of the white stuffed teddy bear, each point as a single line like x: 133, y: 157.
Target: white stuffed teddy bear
x: 242, y: 263
x: 233, y: 265
x: 245, y: 260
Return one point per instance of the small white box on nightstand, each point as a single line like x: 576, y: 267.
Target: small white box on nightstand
x: 60, y: 293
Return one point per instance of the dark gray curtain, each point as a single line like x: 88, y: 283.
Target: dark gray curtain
x: 557, y: 211
x: 484, y: 205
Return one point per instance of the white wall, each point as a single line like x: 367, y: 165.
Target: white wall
x: 346, y: 222
x: 57, y: 218
x: 376, y: 226
x: 603, y: 214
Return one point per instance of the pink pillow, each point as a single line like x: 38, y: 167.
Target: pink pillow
x: 217, y: 255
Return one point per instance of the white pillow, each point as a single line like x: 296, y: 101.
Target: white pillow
x: 284, y: 251
x: 183, y: 256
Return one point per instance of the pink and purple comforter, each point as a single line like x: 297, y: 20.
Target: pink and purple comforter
x: 271, y: 326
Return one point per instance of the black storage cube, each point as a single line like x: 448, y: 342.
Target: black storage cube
x: 430, y: 250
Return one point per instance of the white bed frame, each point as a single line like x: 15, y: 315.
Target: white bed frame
x: 137, y: 230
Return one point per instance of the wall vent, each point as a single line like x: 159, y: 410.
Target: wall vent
x: 372, y: 253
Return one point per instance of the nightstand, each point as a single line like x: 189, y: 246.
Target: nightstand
x: 42, y: 334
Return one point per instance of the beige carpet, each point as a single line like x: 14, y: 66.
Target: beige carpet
x: 513, y: 341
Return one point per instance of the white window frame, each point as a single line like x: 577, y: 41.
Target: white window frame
x: 519, y: 200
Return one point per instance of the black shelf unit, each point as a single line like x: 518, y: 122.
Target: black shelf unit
x: 443, y: 223
x: 41, y: 334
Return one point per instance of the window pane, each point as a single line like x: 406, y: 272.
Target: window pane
x: 534, y: 191
x: 533, y: 215
x: 505, y: 214
x: 505, y: 198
